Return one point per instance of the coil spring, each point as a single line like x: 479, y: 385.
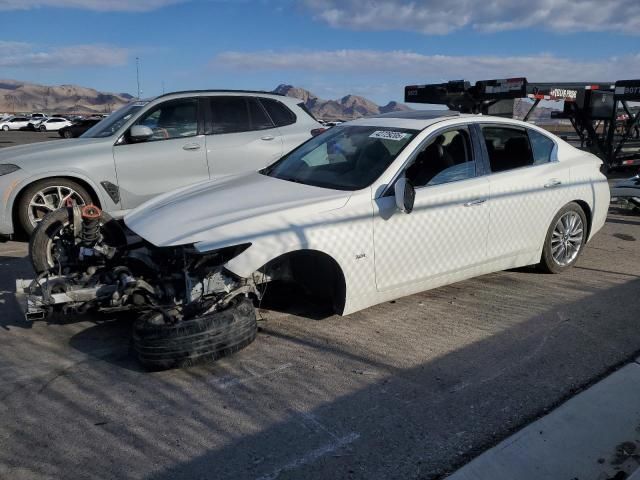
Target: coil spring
x: 90, y: 232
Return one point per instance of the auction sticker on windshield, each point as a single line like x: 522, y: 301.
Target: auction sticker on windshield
x: 388, y: 135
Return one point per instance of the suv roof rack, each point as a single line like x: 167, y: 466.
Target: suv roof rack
x: 214, y: 90
x: 598, y: 111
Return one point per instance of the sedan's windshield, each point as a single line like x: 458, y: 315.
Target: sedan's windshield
x: 111, y: 124
x: 343, y: 158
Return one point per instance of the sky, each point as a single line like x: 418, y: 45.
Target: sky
x: 330, y: 47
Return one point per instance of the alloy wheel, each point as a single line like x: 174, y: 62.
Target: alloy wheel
x: 566, y: 240
x: 49, y: 199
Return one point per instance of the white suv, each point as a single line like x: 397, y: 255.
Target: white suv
x: 150, y: 147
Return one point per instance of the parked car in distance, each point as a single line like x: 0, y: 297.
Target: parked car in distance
x: 38, y: 116
x: 14, y: 123
x: 34, y: 124
x: 53, y: 123
x: 367, y: 212
x: 77, y: 128
x: 172, y: 141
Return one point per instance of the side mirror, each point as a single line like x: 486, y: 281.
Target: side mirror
x: 405, y: 195
x: 140, y: 133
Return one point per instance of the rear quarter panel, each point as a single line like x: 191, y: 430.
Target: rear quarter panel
x: 589, y: 185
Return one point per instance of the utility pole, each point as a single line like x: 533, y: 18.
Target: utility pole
x: 138, y: 75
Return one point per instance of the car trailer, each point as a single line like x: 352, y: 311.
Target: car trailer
x: 599, y: 112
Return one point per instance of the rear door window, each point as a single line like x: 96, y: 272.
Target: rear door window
x: 542, y: 147
x: 508, y: 147
x: 279, y: 112
x: 236, y: 114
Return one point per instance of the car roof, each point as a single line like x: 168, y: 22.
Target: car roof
x: 421, y: 119
x: 290, y: 101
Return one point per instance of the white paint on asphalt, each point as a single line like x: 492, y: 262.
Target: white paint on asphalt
x: 312, y: 456
x: 225, y: 383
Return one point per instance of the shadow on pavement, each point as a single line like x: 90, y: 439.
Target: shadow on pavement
x: 389, y: 416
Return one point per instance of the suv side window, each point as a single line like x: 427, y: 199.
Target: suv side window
x: 172, y: 119
x: 507, y: 147
x: 236, y: 114
x: 279, y: 112
x: 446, y: 158
x: 542, y: 147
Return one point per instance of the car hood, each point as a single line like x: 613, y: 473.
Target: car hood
x: 40, y: 153
x: 230, y: 211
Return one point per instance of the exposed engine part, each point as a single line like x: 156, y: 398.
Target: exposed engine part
x: 177, y: 281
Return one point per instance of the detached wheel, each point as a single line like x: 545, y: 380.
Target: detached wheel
x: 565, y: 239
x: 46, y: 196
x: 160, y: 346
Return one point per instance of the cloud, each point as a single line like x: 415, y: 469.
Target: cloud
x: 416, y: 67
x: 20, y: 54
x: 98, y: 5
x: 439, y: 17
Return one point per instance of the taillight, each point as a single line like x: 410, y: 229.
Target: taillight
x: 317, y: 131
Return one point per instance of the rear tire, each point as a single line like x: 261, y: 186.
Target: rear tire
x: 67, y: 134
x: 161, y: 346
x: 565, y: 239
x: 32, y: 195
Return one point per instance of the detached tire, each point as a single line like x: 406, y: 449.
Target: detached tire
x: 160, y: 346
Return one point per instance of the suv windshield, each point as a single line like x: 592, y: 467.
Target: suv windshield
x: 343, y: 158
x: 113, y: 122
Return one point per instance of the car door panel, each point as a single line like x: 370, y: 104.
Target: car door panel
x: 231, y: 153
x: 240, y: 137
x: 521, y: 203
x: 174, y: 157
x: 445, y: 232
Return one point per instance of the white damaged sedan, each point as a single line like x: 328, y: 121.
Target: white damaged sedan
x: 366, y: 212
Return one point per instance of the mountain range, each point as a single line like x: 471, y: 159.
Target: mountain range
x: 25, y: 97
x: 348, y: 107
x: 16, y: 96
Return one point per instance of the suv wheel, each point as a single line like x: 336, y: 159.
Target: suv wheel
x: 46, y: 196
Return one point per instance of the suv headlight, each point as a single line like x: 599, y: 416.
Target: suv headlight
x: 7, y: 168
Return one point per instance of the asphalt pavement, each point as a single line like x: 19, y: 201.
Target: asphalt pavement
x: 407, y: 389
x: 14, y: 138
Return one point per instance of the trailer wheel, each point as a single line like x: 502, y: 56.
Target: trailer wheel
x: 160, y: 346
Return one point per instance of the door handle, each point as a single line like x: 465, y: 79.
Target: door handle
x: 553, y: 183
x: 266, y: 138
x: 476, y: 202
x: 191, y: 146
